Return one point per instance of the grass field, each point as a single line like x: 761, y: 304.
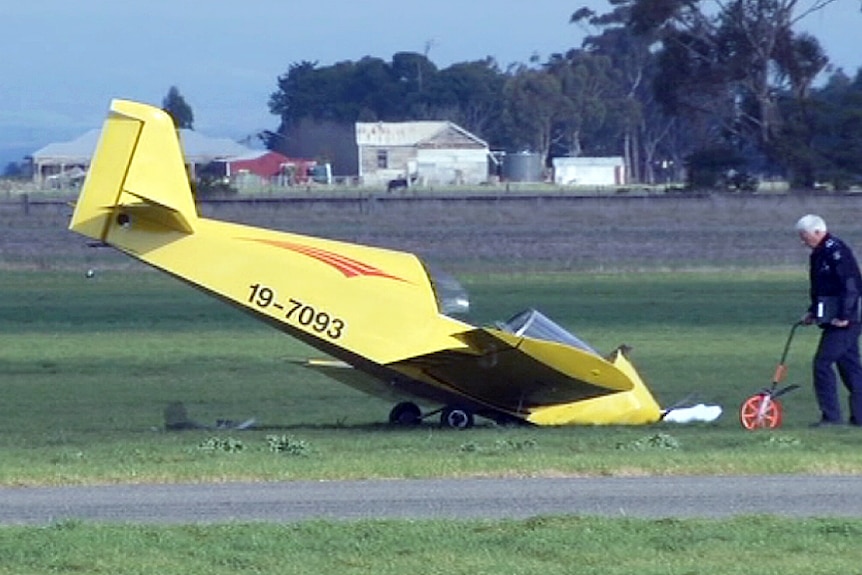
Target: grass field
x: 91, y: 364
x: 550, y: 545
x: 704, y: 292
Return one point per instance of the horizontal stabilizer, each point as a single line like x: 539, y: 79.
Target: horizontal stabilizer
x: 155, y: 212
x: 345, y: 373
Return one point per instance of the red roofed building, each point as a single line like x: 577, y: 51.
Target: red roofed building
x: 269, y: 167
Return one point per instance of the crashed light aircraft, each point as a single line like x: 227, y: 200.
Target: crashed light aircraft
x: 383, y: 318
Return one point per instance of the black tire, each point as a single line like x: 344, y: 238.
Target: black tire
x: 405, y: 413
x: 456, y: 418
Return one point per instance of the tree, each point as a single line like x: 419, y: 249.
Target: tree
x: 408, y: 88
x: 175, y: 105
x: 343, y: 93
x: 470, y: 94
x: 298, y: 91
x: 533, y: 103
x: 590, y: 85
x: 729, y: 61
x: 632, y: 122
x: 836, y: 133
x: 15, y: 170
x: 413, y: 69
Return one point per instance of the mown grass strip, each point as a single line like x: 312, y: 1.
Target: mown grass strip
x: 550, y: 545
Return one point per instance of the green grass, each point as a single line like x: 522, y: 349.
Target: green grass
x: 90, y: 365
x: 549, y: 545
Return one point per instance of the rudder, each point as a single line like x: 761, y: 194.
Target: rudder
x: 138, y: 166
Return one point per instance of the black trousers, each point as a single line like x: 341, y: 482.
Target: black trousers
x: 839, y: 347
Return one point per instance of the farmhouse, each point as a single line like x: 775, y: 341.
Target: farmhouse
x: 65, y: 162
x: 425, y: 152
x: 62, y: 163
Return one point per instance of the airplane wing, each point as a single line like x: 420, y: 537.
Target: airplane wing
x: 517, y: 373
x: 507, y: 377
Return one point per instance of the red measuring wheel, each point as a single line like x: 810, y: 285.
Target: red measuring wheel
x: 760, y: 411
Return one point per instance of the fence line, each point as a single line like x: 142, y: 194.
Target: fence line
x: 24, y: 203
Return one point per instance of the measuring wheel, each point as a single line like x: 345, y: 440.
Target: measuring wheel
x: 760, y: 411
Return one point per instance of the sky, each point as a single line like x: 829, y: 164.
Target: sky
x: 63, y: 61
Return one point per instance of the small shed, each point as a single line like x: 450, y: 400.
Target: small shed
x: 269, y: 167
x: 264, y: 163
x: 427, y: 152
x: 584, y: 171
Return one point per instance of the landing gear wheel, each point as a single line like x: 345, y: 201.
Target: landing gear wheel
x: 456, y: 418
x: 405, y: 413
x: 760, y: 411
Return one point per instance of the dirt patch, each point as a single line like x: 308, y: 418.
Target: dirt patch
x: 495, y: 234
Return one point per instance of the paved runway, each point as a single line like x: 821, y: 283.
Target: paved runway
x: 650, y: 497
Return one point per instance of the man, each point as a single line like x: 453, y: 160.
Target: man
x: 835, y: 286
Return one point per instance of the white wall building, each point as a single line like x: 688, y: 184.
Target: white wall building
x: 436, y: 153
x: 583, y: 171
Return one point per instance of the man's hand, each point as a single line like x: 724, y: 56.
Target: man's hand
x: 840, y: 322
x: 808, y: 318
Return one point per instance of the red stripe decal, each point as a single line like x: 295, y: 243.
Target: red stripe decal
x: 347, y: 266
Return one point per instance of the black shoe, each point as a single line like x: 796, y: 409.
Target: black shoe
x: 826, y: 423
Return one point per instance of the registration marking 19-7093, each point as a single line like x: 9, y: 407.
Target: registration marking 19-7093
x: 297, y: 312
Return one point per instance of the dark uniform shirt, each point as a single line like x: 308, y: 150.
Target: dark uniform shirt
x: 834, y: 272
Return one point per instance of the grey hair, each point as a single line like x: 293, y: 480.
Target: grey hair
x: 811, y: 224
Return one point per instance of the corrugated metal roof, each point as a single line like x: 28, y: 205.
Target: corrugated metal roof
x: 201, y: 149
x: 405, y: 133
x: 77, y: 151
x: 197, y: 148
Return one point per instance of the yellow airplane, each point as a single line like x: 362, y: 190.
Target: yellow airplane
x: 382, y: 316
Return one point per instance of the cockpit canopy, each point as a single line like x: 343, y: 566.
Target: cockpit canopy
x: 452, y: 299
x: 533, y: 323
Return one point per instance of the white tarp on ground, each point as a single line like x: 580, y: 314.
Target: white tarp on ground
x: 695, y: 413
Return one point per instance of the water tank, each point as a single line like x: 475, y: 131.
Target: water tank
x: 522, y: 167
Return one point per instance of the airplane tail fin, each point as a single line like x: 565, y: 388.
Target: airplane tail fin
x: 138, y: 168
